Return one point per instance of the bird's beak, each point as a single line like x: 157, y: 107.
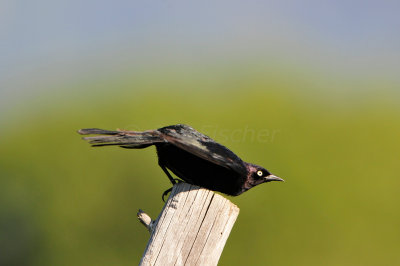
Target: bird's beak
x: 273, y: 178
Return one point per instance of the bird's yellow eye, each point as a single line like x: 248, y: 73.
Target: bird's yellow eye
x: 259, y: 173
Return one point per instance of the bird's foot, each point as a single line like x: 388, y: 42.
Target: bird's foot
x: 166, y: 193
x: 174, y: 182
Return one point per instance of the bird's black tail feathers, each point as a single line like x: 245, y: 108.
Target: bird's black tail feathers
x: 122, y: 138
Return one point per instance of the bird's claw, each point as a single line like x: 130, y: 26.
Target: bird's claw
x: 166, y: 193
x: 176, y: 181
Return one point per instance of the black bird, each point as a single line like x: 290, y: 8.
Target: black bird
x: 192, y: 156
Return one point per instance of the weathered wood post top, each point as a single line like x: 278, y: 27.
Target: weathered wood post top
x: 192, y: 228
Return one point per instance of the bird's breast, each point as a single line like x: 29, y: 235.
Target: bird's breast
x: 198, y: 171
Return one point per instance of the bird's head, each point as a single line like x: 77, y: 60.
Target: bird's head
x: 258, y: 175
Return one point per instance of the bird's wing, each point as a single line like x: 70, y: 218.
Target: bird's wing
x: 192, y: 141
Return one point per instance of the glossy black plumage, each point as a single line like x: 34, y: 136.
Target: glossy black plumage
x: 190, y: 155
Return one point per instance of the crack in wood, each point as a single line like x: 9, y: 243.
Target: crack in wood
x: 192, y: 228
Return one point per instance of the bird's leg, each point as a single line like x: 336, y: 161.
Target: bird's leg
x: 167, y: 173
x: 173, y: 180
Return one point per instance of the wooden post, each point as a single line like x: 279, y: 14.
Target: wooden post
x: 191, y: 229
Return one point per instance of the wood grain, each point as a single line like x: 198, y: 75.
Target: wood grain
x: 192, y: 228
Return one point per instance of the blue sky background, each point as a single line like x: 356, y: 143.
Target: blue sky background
x: 44, y: 43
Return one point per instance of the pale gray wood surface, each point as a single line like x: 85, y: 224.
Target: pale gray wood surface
x: 192, y: 228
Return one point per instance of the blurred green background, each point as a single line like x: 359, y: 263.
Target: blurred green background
x: 308, y: 90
